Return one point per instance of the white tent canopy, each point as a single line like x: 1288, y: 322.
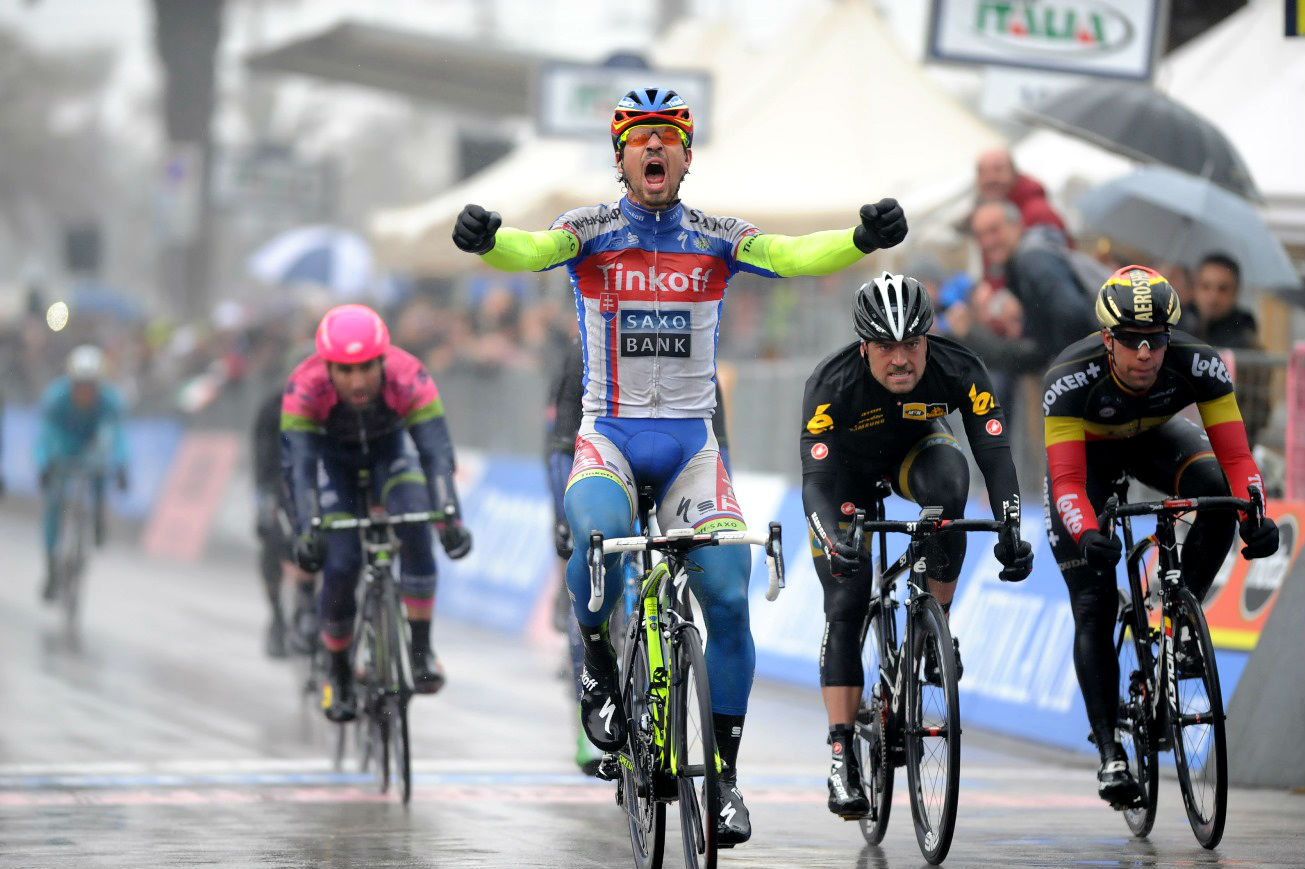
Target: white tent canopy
x: 803, y: 135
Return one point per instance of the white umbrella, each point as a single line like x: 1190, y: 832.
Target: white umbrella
x: 1180, y: 218
x: 326, y: 256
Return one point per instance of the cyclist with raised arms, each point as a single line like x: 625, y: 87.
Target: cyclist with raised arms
x: 1109, y: 403
x: 649, y: 276
x: 351, y: 406
x: 81, y: 419
x: 877, y: 409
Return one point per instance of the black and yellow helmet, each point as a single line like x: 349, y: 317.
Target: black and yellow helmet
x: 1136, y: 296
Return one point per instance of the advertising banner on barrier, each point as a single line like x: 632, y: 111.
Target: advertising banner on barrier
x: 1016, y: 639
x: 510, y: 515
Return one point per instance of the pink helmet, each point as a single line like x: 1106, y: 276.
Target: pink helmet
x: 352, y: 334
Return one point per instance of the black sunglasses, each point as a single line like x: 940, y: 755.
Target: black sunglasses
x: 1135, y: 340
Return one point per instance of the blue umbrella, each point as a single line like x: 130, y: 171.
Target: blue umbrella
x: 339, y: 260
x: 1180, y: 218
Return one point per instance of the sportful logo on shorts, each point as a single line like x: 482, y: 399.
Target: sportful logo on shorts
x: 645, y: 332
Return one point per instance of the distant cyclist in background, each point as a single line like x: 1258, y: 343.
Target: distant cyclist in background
x: 347, y: 408
x: 272, y: 524
x: 81, y: 420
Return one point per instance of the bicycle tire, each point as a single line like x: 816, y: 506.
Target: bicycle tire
x: 932, y: 713
x: 871, y: 744
x: 1200, y: 743
x: 1136, y: 724
x: 637, y: 791
x: 398, y: 749
x: 370, y: 735
x: 694, y: 743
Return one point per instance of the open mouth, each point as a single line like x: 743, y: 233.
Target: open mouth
x: 654, y: 173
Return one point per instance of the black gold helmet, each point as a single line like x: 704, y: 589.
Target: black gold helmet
x: 1136, y: 296
x: 892, y: 308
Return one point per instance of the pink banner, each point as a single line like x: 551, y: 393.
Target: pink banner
x: 191, y: 494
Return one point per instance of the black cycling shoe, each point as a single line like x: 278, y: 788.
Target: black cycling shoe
x: 847, y: 797
x: 427, y: 672
x: 338, y: 703
x: 932, y: 674
x: 601, y: 712
x: 1115, y: 783
x: 733, y: 823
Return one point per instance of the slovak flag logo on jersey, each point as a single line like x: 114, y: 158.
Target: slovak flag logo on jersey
x: 608, y: 303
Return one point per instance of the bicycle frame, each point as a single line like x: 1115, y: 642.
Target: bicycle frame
x: 1169, y: 570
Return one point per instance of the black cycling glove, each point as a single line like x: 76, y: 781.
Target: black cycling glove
x: 475, y: 228
x: 1261, y: 539
x: 454, y: 537
x: 1100, y: 551
x: 1016, y: 557
x: 309, y: 550
x: 882, y: 225
x: 845, y: 561
x: 562, y: 540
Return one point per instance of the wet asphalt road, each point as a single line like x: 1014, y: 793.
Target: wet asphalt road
x: 162, y: 737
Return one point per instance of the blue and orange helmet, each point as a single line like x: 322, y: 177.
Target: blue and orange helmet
x: 648, y: 107
x: 1137, y: 296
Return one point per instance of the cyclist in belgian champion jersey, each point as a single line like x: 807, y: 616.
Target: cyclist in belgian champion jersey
x: 1109, y: 405
x: 649, y: 277
x: 875, y: 409
x: 346, y: 409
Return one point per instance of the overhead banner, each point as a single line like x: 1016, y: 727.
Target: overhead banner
x: 576, y: 99
x: 1115, y: 39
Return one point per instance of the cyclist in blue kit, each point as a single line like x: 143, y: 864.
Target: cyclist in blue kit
x: 649, y: 276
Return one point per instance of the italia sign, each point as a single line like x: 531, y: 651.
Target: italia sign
x: 1091, y: 37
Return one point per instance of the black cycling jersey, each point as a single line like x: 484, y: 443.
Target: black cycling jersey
x: 853, y: 426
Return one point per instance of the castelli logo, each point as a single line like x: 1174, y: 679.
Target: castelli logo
x: 848, y: 508
x: 993, y: 426
x: 819, y: 451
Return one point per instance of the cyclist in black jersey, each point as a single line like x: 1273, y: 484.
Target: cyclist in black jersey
x: 875, y: 409
x: 1109, y: 403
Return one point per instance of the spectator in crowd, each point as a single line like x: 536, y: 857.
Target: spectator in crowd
x: 1040, y: 276
x: 1221, y: 324
x: 995, y: 177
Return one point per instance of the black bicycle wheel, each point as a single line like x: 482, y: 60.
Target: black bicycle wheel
x: 932, y: 731
x: 395, y: 713
x: 871, y: 730
x: 1136, y: 724
x: 637, y: 792
x: 1200, y: 746
x: 693, y: 742
x: 394, y: 701
x: 370, y: 664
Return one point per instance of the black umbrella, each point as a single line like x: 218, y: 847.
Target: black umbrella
x: 1143, y: 124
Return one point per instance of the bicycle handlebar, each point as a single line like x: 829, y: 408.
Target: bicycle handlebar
x: 422, y: 516
x: 682, y: 541
x: 928, y: 523
x: 1253, y: 507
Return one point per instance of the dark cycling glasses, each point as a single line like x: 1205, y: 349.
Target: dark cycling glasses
x: 640, y: 135
x: 1135, y: 340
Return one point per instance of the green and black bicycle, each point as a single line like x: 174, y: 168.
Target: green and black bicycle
x: 670, y: 755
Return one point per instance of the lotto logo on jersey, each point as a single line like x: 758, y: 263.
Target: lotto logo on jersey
x: 1070, y: 514
x: 645, y: 332
x: 1210, y: 367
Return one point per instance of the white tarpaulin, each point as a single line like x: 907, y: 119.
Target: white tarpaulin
x: 834, y: 116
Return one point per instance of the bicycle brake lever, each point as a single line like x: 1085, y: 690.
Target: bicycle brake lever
x: 596, y: 572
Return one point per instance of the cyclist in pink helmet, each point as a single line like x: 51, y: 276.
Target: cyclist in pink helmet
x: 346, y: 408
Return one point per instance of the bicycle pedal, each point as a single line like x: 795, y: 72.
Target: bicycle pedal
x: 609, y: 768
